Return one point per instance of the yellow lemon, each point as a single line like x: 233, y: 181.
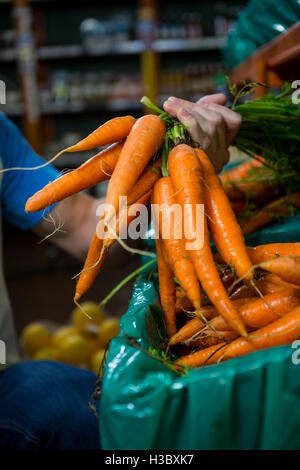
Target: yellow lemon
x: 94, y: 343
x: 96, y: 361
x: 83, y: 322
x: 62, y: 332
x: 74, y: 350
x: 35, y: 336
x: 46, y: 354
x: 108, y: 329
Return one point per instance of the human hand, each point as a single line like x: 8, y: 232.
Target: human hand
x: 211, y: 124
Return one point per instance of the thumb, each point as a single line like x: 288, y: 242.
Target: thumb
x: 217, y: 98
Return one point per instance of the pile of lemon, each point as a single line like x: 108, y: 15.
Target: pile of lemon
x: 80, y: 344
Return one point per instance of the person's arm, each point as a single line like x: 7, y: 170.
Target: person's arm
x: 210, y: 123
x: 75, y: 217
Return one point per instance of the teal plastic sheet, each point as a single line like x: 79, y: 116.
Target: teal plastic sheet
x: 250, y: 402
x: 257, y: 24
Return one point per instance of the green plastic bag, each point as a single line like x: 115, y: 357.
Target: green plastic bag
x: 250, y: 402
x: 260, y: 22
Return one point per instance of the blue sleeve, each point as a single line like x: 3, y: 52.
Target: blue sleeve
x: 17, y: 186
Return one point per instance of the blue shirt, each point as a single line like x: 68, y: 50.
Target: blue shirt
x: 18, y: 185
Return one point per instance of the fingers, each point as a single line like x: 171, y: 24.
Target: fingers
x: 210, y: 124
x: 232, y: 119
x: 218, y: 98
x: 173, y: 104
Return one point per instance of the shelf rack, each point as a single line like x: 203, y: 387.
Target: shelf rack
x: 29, y: 58
x: 124, y: 48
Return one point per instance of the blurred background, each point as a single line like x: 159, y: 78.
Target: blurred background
x: 68, y: 67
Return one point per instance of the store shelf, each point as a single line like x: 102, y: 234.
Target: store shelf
x: 122, y: 48
x: 75, y: 108
x: 8, y: 55
x: 12, y: 110
x: 199, y: 44
x: 71, y: 51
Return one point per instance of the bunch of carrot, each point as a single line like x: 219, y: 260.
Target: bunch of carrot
x: 255, y: 196
x: 271, y: 313
x: 153, y: 157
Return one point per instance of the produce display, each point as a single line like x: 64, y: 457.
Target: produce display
x: 215, y: 306
x: 82, y: 343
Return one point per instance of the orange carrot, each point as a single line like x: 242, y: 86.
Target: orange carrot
x: 173, y: 246
x: 91, y: 267
x: 95, y: 170
x: 211, y: 338
x: 280, y: 332
x: 268, y: 284
x: 286, y: 267
x: 225, y: 230
x: 186, y: 174
x: 93, y: 260
x: 145, y: 138
x: 261, y: 312
x: 270, y: 213
x: 183, y: 303
x: 190, y: 329
x: 111, y: 131
x: 167, y: 290
x: 262, y: 253
x: 146, y: 182
x: 193, y: 327
x: 235, y: 188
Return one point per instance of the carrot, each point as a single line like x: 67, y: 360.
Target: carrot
x: 287, y: 268
x: 145, y: 138
x: 186, y: 174
x: 183, y: 303
x: 146, y: 182
x: 111, y: 131
x: 235, y: 188
x: 268, y: 284
x: 173, y: 247
x: 94, y: 261
x: 167, y: 290
x: 225, y: 230
x: 95, y: 170
x: 270, y: 213
x: 261, y: 312
x: 262, y: 253
x: 91, y: 267
x: 212, y: 338
x: 190, y: 329
x: 196, y: 324
x: 280, y: 332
